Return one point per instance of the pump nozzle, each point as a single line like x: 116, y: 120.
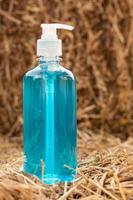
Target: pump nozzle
x: 49, y: 44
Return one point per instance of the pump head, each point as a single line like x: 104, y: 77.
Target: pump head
x: 49, y: 45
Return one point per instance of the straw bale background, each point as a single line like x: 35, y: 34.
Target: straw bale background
x: 100, y: 53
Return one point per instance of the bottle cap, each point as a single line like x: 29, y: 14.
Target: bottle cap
x: 49, y: 45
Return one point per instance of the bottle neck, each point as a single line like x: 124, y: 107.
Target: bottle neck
x: 49, y: 60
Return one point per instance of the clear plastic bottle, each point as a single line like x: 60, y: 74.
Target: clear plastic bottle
x: 50, y: 124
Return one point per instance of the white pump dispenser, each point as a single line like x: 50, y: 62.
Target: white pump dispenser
x: 49, y: 45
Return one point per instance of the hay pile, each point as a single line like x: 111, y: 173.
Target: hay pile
x: 99, y: 52
x: 102, y: 175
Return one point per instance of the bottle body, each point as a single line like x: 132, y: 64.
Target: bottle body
x: 50, y: 125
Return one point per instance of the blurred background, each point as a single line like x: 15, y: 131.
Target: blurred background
x: 99, y: 52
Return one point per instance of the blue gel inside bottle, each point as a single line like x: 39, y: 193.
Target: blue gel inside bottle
x: 50, y: 124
